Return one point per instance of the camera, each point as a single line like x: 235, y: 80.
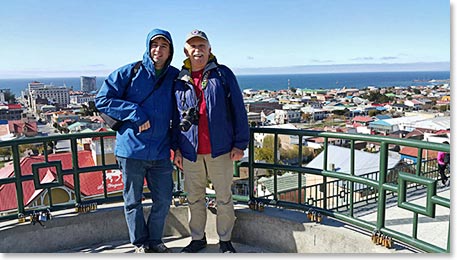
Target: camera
x: 189, y: 117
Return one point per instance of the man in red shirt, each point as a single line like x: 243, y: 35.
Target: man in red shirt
x: 214, y: 133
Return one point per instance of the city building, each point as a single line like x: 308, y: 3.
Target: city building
x: 11, y: 112
x: 81, y: 98
x: 40, y: 93
x: 88, y: 84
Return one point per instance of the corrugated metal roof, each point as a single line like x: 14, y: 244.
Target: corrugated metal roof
x: 286, y: 182
x: 365, y: 162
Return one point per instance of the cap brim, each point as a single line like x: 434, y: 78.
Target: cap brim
x: 196, y: 36
x: 160, y: 36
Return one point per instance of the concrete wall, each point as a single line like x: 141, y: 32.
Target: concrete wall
x: 274, y: 229
x: 68, y: 230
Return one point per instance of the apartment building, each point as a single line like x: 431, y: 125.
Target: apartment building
x: 88, y: 84
x: 40, y: 93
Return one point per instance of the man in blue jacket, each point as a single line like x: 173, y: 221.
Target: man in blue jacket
x: 214, y: 133
x: 142, y: 97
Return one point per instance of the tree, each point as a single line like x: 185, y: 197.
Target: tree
x: 306, y: 117
x: 377, y: 97
x: 373, y: 113
x: 340, y: 112
x: 9, y: 97
x: 92, y: 108
x: 5, y: 152
x: 443, y: 108
x: 85, y: 110
x: 266, y: 152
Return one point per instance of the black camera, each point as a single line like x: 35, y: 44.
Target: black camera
x: 189, y: 117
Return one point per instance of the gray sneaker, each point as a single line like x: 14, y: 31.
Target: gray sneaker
x: 139, y: 250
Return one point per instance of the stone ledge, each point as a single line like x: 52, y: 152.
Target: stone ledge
x: 277, y: 230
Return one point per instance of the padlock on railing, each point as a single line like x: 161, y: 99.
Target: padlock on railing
x: 389, y: 243
x: 309, y: 214
x: 260, y: 206
x: 21, y: 218
x: 251, y: 204
x: 42, y: 217
x: 319, y: 217
x: 314, y: 216
x: 374, y: 236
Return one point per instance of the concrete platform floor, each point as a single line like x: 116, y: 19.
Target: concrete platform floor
x: 174, y: 243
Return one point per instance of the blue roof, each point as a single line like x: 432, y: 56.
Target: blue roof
x: 380, y: 122
x: 380, y: 117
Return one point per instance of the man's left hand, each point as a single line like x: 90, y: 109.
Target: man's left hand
x: 236, y: 154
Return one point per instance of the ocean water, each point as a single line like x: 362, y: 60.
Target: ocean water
x: 277, y: 82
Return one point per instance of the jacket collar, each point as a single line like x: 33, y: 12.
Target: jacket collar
x: 186, y: 71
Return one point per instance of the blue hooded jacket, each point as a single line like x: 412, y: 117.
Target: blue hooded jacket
x: 227, y: 117
x: 158, y: 108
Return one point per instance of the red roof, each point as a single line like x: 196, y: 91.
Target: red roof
x: 440, y: 132
x: 19, y: 126
x: 379, y: 104
x: 362, y: 119
x: 102, y: 129
x: 412, y: 151
x: 14, y: 106
x: 90, y: 183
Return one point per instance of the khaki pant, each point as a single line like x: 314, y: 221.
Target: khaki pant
x: 220, y: 172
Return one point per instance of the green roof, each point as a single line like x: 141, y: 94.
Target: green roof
x: 77, y: 124
x: 286, y: 182
x: 87, y: 130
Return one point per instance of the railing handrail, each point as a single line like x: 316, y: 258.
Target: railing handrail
x: 381, y: 187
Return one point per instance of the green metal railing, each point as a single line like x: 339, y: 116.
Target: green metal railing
x: 341, y: 203
x: 45, y: 146
x: 424, y: 178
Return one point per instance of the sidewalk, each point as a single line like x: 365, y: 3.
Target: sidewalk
x: 431, y: 230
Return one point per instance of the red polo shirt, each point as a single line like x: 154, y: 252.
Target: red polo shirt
x: 204, y: 144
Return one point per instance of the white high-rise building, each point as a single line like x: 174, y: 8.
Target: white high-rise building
x: 88, y: 84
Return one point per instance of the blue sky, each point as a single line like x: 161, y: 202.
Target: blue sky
x: 94, y: 37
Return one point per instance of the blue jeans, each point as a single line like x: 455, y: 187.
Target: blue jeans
x: 159, y: 180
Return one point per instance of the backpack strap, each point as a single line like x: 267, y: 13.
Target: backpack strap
x: 132, y: 75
